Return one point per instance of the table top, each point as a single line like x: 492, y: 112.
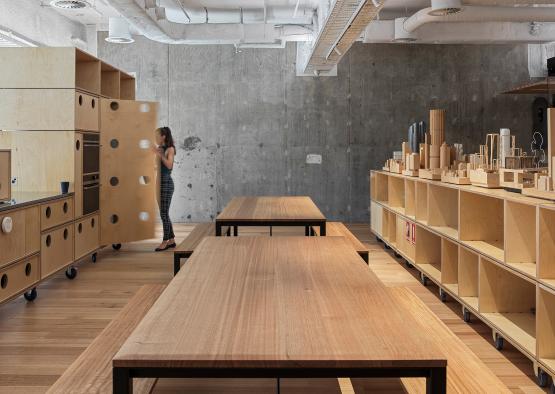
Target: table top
x: 287, y: 208
x: 277, y: 302
x: 23, y: 199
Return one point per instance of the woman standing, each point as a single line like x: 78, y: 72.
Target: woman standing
x: 166, y: 153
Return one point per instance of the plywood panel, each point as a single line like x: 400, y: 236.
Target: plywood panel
x: 87, y: 72
x: 86, y: 112
x: 87, y: 236
x: 376, y: 218
x: 5, y: 175
x: 78, y: 177
x: 57, y: 212
x: 37, y: 168
x: 127, y: 88
x: 546, y: 325
x: 123, y: 163
x: 110, y: 83
x: 520, y: 233
x: 12, y: 244
x: 56, y: 249
x: 18, y: 277
x: 421, y: 212
x: 468, y: 273
x: 449, y: 262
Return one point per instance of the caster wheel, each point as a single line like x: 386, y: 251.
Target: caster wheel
x: 423, y: 279
x: 442, y: 295
x: 387, y: 246
x: 31, y: 294
x: 466, y: 315
x: 71, y: 273
x: 116, y: 246
x: 542, y: 378
x: 94, y: 257
x: 499, y: 342
x: 378, y: 239
x: 397, y: 255
x: 409, y: 265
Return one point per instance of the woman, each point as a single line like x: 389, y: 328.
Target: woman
x: 166, y: 153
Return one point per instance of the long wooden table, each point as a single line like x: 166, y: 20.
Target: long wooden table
x: 271, y: 211
x: 278, y: 307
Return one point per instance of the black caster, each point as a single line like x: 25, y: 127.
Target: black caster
x: 397, y: 255
x: 387, y: 246
x: 542, y: 378
x: 423, y: 279
x: 409, y: 265
x: 71, y: 273
x: 466, y: 315
x: 442, y: 295
x: 116, y: 246
x: 499, y: 342
x: 378, y: 239
x: 94, y: 257
x: 31, y: 294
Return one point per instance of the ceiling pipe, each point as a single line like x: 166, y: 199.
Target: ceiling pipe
x: 482, y: 14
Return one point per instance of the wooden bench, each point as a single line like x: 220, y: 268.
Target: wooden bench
x: 186, y: 248
x: 338, y: 229
x: 92, y: 371
x: 466, y: 373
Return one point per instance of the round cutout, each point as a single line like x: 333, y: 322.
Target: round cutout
x: 77, y: 145
x: 48, y: 212
x: 92, y: 223
x: 80, y: 100
x: 28, y: 268
x: 114, y: 105
x: 66, y: 233
x: 80, y: 228
x: 65, y: 208
x: 144, y: 180
x: 114, y: 219
x: 48, y: 241
x: 4, y: 281
x: 144, y: 107
x: 144, y: 144
x: 114, y: 143
x: 93, y: 103
x: 114, y: 181
x: 144, y: 216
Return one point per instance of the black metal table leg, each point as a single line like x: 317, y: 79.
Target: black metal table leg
x: 278, y: 388
x: 436, y: 383
x: 235, y: 231
x: 176, y: 263
x: 122, y: 383
x: 323, y: 229
x: 306, y: 231
x: 218, y: 229
x: 271, y: 231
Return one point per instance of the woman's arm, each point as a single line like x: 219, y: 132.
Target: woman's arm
x: 168, y: 159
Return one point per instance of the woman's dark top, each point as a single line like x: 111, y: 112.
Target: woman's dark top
x: 163, y: 169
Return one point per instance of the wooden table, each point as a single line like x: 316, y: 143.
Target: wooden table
x: 271, y: 211
x: 278, y: 307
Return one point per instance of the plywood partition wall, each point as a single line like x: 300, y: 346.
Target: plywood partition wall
x: 127, y: 168
x: 546, y: 246
x: 110, y: 81
x: 87, y: 72
x: 36, y: 168
x: 449, y: 262
x: 468, y: 276
x: 127, y: 87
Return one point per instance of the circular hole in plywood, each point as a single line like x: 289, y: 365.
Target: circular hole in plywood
x: 28, y: 269
x: 114, y: 181
x: 114, y: 143
x: 143, y: 216
x: 80, y: 228
x: 4, y: 281
x: 114, y: 105
x: 48, y: 212
x: 114, y: 219
x: 144, y: 107
x: 144, y: 180
x: 65, y: 208
x: 66, y: 233
x: 80, y: 100
x: 77, y: 145
x: 92, y: 223
x: 93, y: 103
x: 48, y: 241
x: 144, y: 144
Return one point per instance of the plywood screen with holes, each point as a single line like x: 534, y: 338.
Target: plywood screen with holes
x: 127, y: 170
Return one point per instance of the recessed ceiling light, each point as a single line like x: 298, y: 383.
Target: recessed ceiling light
x: 70, y: 4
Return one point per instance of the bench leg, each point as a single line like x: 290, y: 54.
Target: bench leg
x: 122, y: 383
x: 306, y: 231
x: 323, y: 230
x: 218, y: 229
x: 228, y: 232
x: 271, y: 231
x: 176, y: 264
x: 436, y: 383
x: 278, y: 384
x: 235, y: 231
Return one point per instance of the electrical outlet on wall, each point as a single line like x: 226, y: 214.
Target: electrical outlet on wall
x: 313, y: 159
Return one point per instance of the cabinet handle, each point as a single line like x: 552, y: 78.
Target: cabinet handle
x: 48, y: 241
x: 65, y: 207
x: 4, y: 281
x: 48, y: 212
x: 28, y: 269
x: 7, y: 225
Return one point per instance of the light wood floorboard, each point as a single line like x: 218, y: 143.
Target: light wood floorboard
x: 39, y: 340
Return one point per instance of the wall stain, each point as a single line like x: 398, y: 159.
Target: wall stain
x: 191, y: 143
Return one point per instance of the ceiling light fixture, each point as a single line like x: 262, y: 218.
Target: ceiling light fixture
x: 445, y: 7
x: 70, y: 4
x: 118, y: 31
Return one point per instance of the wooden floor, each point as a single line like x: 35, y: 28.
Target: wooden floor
x: 39, y: 340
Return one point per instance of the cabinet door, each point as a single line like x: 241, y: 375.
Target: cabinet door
x: 127, y: 170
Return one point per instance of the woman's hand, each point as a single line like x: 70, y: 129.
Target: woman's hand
x: 156, y: 150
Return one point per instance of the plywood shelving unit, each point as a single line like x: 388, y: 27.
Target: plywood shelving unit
x: 443, y: 210
x: 481, y: 223
x: 127, y: 86
x: 110, y: 81
x: 493, y: 251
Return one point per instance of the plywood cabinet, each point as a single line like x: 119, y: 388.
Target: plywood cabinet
x: 22, y: 238
x: 19, y: 277
x: 56, y: 249
x: 87, y: 236
x: 56, y: 212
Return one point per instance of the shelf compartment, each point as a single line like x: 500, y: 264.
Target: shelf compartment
x: 109, y: 81
x: 377, y: 214
x: 428, y: 253
x: 546, y: 246
x: 520, y: 237
x: 467, y: 276
x: 546, y: 328
x: 127, y: 86
x: 386, y: 218
x: 410, y: 198
x: 396, y: 193
x: 508, y: 302
x: 405, y: 237
x: 449, y: 262
x: 443, y: 210
x: 481, y: 223
x: 87, y: 72
x: 392, y: 229
x: 421, y: 213
x: 379, y: 187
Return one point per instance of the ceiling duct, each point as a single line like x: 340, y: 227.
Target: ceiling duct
x: 149, y: 4
x: 160, y: 13
x: 400, y: 34
x: 445, y: 7
x: 118, y: 31
x: 70, y: 4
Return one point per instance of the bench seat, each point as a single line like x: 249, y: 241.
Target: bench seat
x: 91, y: 373
x: 338, y: 229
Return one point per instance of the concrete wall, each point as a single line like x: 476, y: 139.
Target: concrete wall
x: 245, y: 123
x: 40, y: 24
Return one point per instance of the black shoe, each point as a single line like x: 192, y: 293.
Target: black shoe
x: 162, y: 249
x: 172, y: 245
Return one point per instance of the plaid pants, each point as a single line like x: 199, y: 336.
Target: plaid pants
x: 166, y: 193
